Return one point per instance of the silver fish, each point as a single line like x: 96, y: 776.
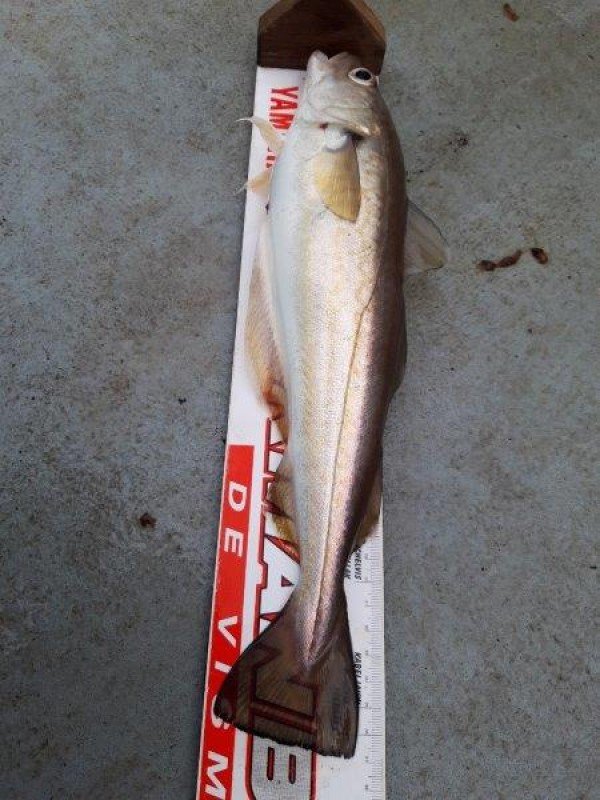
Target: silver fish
x: 326, y: 336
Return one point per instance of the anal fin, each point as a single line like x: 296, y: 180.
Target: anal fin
x: 281, y: 500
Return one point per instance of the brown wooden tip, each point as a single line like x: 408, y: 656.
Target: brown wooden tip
x: 292, y: 29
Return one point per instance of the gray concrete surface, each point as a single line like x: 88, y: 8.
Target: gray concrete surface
x: 119, y: 239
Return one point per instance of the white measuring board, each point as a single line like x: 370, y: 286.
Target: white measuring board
x: 255, y: 570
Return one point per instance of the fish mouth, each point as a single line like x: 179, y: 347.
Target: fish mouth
x: 332, y: 116
x: 346, y: 117
x: 353, y: 126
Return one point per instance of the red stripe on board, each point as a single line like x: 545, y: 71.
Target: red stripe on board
x: 218, y: 740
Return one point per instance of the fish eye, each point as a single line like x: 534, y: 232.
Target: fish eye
x: 362, y: 76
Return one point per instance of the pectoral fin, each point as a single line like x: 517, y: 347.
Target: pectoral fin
x: 268, y: 133
x: 337, y: 179
x: 260, y: 184
x: 425, y: 247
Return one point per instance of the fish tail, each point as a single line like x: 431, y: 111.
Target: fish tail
x: 272, y: 692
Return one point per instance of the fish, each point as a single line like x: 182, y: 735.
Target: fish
x: 326, y: 336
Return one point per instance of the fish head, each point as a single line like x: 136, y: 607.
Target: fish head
x: 340, y: 91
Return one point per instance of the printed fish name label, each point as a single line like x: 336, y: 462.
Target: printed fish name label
x: 283, y: 104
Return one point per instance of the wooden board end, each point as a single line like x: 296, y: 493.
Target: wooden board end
x: 292, y: 29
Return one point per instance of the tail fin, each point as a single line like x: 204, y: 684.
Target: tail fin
x: 271, y: 692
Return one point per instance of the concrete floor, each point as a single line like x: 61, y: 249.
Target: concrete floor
x: 119, y: 240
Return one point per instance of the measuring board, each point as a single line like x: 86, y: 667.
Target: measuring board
x: 256, y: 570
